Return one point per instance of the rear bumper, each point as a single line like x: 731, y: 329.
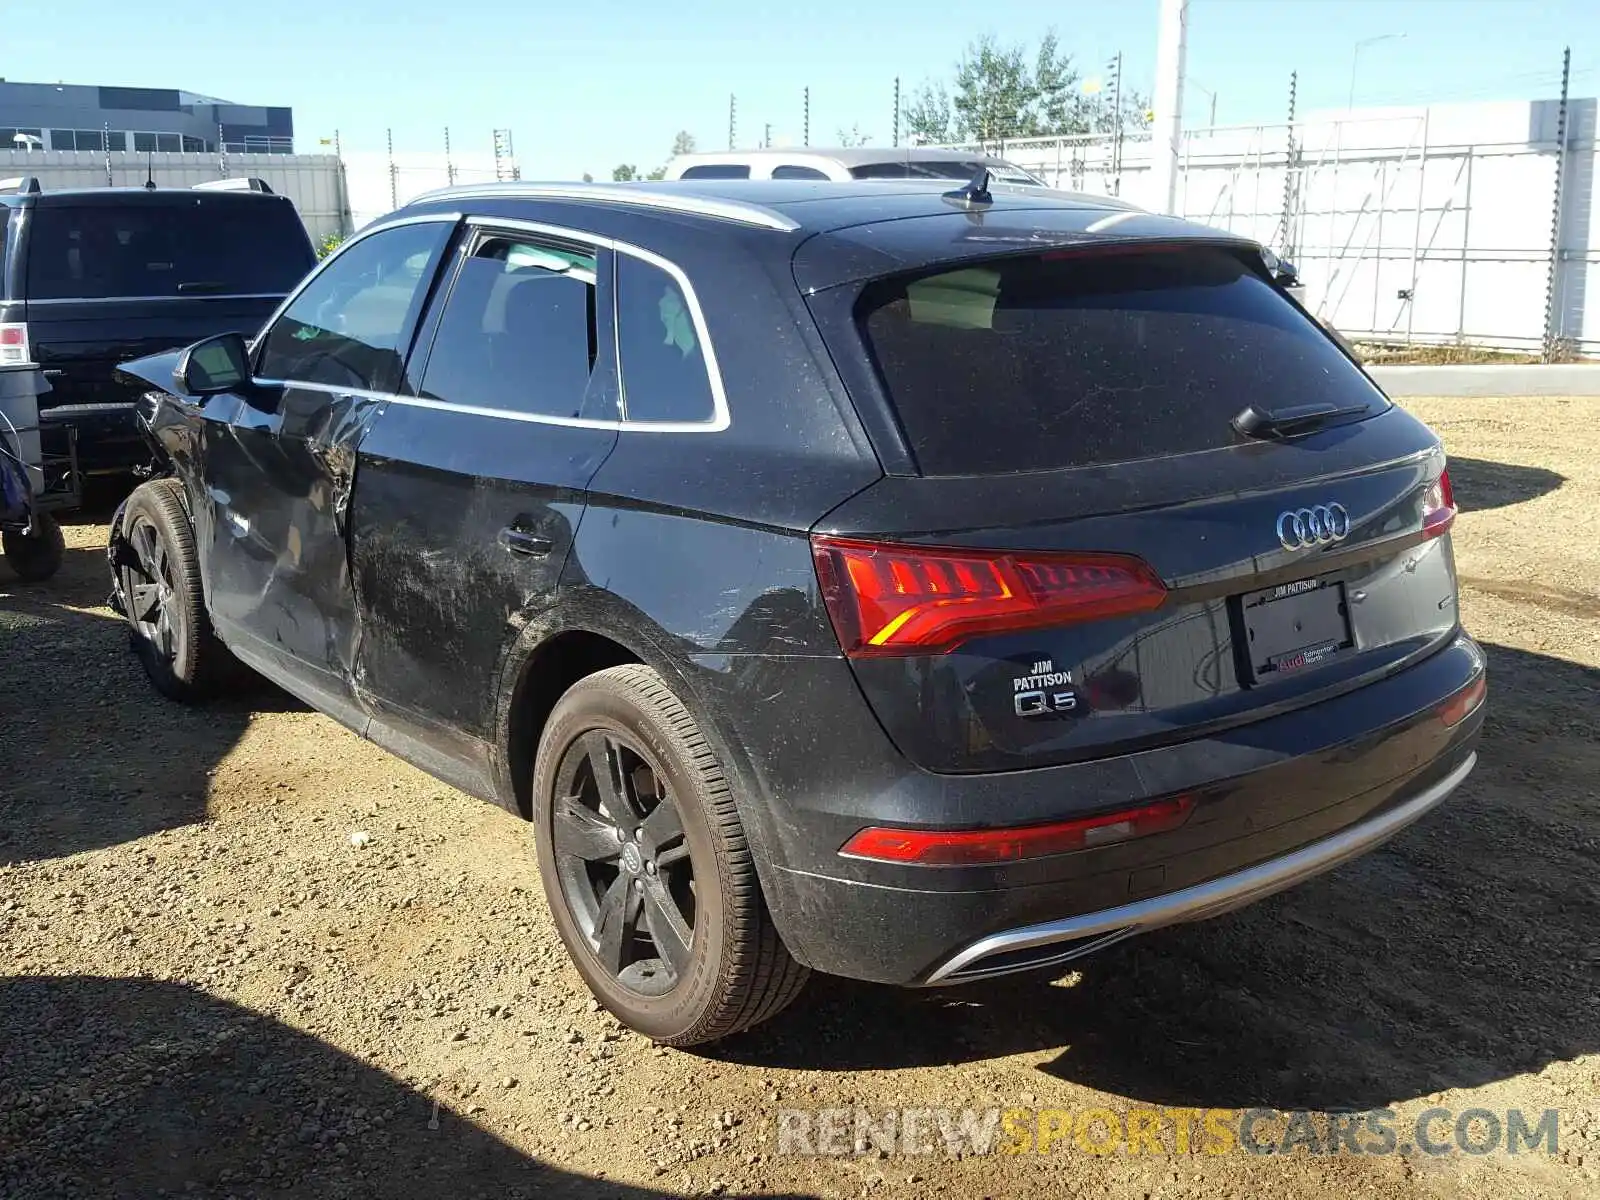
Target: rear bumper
x: 1275, y: 802
x: 1054, y: 942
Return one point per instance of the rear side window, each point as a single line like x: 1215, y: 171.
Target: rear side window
x: 518, y: 331
x: 666, y: 374
x: 202, y: 247
x: 791, y: 171
x: 1072, y: 358
x: 717, y: 171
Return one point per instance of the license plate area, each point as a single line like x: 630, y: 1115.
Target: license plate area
x: 1293, y: 626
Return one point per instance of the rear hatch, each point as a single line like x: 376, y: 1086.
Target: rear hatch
x: 1077, y: 552
x: 118, y: 275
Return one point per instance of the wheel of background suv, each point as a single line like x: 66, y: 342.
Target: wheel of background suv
x: 159, y: 574
x: 35, y: 556
x: 646, y: 866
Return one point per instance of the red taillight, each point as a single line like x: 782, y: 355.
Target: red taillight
x: 1438, y: 506
x: 13, y: 342
x: 974, y: 847
x: 887, y: 598
x: 1456, y: 709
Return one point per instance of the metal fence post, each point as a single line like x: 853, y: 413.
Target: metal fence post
x: 1416, y: 236
x: 1554, y: 325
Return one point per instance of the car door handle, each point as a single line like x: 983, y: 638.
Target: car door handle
x: 522, y: 541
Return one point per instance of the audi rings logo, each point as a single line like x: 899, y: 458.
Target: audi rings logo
x: 1321, y: 525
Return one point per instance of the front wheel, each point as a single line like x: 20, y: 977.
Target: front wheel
x: 158, y: 572
x: 647, y: 869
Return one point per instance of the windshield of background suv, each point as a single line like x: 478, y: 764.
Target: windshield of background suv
x: 962, y: 169
x: 1073, y: 358
x: 201, y: 247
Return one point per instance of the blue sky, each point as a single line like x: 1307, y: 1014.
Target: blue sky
x: 584, y: 86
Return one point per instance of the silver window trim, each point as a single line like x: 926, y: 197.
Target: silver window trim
x: 720, y: 417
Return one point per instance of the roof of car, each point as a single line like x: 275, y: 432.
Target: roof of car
x: 115, y: 196
x: 809, y: 206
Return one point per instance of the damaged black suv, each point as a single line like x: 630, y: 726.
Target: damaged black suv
x: 909, y: 584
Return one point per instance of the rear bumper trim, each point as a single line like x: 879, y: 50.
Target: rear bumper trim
x: 1095, y: 930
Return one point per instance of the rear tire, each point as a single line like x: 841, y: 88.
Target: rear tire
x: 169, y: 629
x: 35, y: 557
x: 658, y: 902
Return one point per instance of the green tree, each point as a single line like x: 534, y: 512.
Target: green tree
x: 853, y: 136
x: 1004, y: 90
x: 929, y: 117
x: 624, y: 173
x: 684, y: 143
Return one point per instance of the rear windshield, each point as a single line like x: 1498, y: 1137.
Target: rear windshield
x: 200, y: 247
x: 1072, y: 358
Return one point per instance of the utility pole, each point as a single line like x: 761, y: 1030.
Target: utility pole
x: 1114, y: 70
x: 105, y: 148
x: 806, y: 136
x: 449, y: 164
x: 733, y: 118
x: 766, y: 140
x: 896, y: 110
x: 1167, y: 136
x: 1554, y: 326
x: 1291, y: 178
x: 394, y: 174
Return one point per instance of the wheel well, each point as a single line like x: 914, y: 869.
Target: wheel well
x: 553, y: 668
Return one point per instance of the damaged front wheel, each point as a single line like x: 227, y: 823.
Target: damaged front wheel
x: 157, y: 578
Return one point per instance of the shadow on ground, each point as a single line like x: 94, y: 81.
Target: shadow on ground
x: 137, y: 1088
x: 1480, y: 484
x: 1459, y: 954
x: 90, y: 754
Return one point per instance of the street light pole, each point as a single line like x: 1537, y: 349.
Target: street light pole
x: 1355, y: 59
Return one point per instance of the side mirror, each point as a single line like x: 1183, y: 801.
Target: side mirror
x: 218, y: 364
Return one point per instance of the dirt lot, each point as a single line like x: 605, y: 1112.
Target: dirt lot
x: 206, y: 990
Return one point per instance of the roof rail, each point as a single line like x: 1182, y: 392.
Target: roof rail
x: 251, y: 184
x: 630, y: 194
x: 22, y: 185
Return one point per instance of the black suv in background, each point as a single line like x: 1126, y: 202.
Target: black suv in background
x: 91, y: 278
x: 911, y: 585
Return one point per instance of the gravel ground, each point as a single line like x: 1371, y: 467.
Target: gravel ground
x: 207, y: 990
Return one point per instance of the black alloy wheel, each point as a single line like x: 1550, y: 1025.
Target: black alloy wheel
x: 646, y: 866
x: 626, y: 870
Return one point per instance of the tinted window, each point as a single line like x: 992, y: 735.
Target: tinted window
x: 205, y: 246
x: 518, y: 331
x: 664, y: 374
x: 345, y: 328
x: 144, y: 143
x: 789, y: 172
x: 1063, y: 360
x: 949, y: 169
x: 717, y: 171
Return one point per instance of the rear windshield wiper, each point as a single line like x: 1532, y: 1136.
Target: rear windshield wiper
x: 1263, y: 423
x: 199, y: 286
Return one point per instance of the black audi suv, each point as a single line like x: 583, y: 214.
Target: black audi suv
x: 909, y: 583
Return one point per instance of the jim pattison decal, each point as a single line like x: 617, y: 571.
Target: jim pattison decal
x: 1044, y: 691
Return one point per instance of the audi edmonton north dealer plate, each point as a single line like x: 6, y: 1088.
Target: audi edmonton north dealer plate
x: 1295, y: 625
